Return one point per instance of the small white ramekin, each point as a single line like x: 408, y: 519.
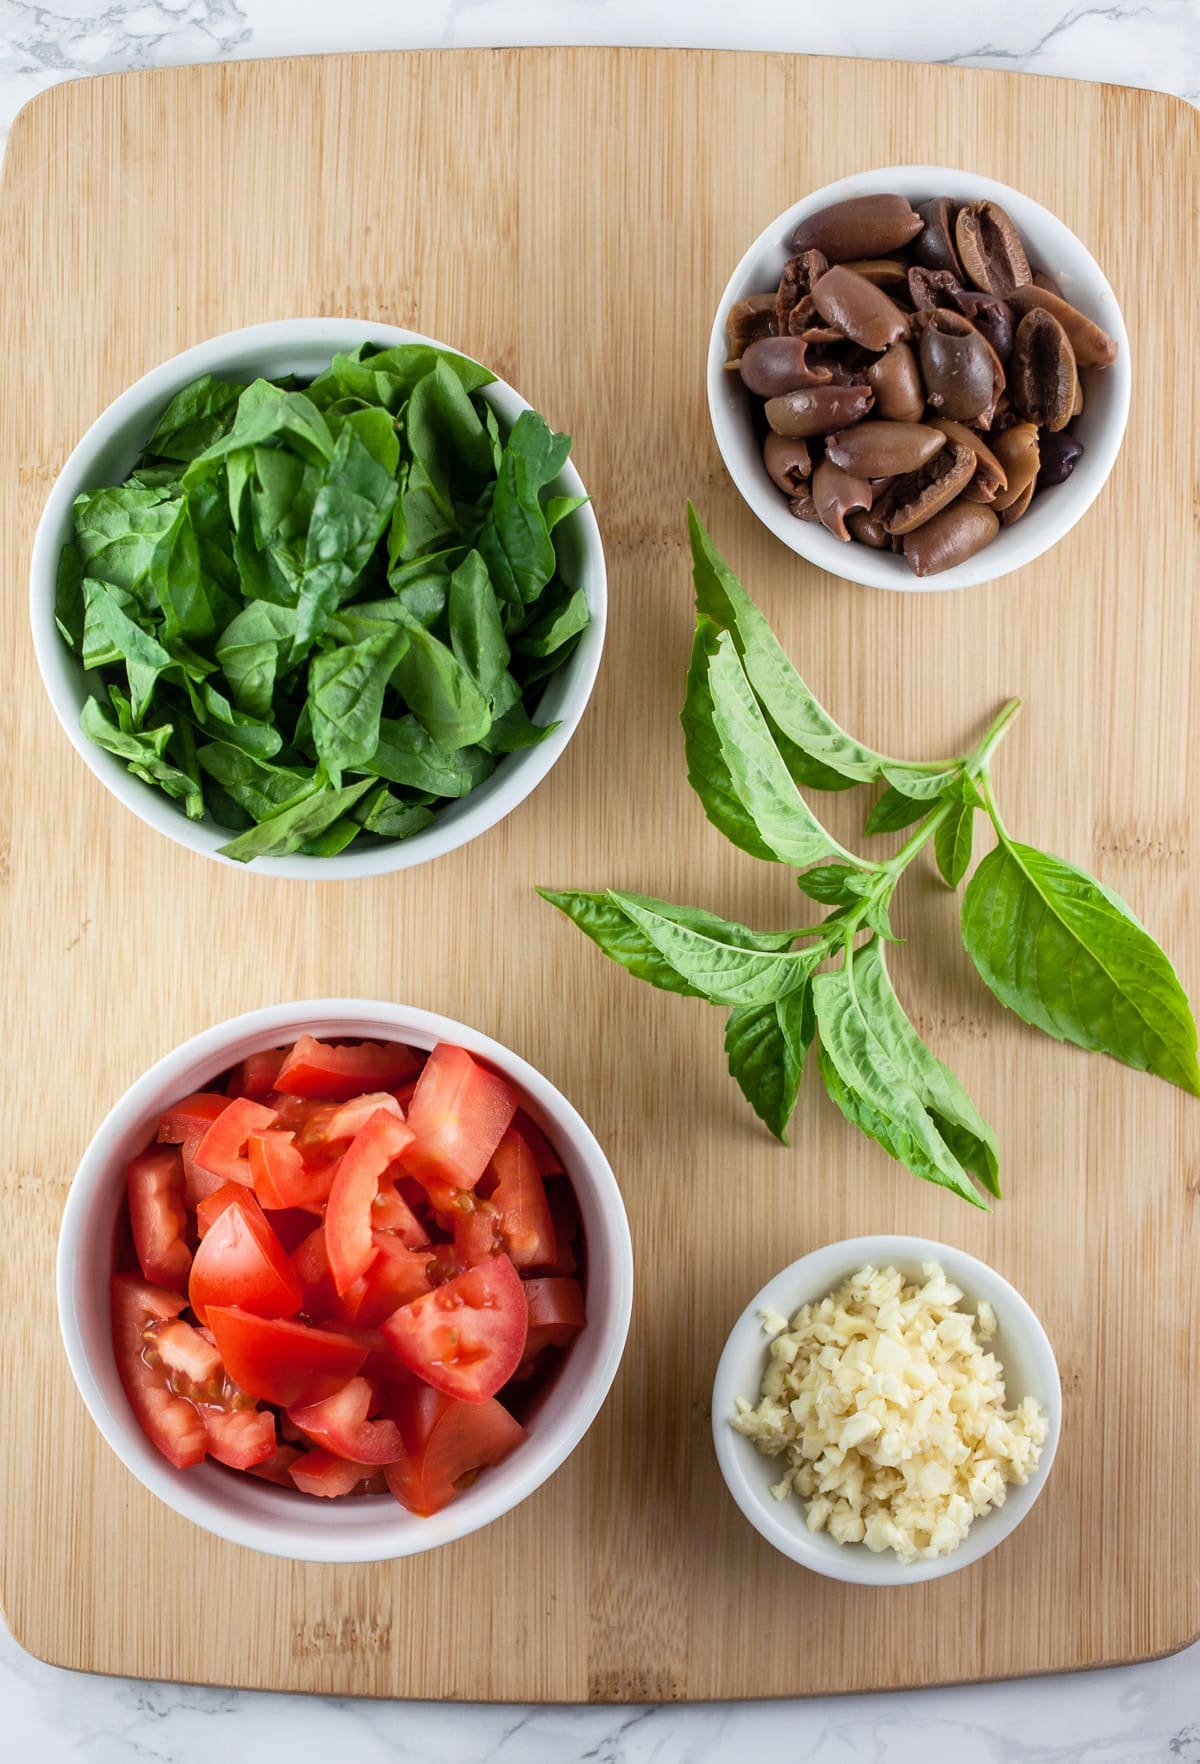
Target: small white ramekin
x: 1052, y: 247
x: 106, y: 455
x: 1020, y: 1344
x: 243, y: 1508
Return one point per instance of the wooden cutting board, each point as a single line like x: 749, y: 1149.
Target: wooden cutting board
x: 570, y: 217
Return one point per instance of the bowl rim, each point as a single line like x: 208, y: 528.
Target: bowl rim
x: 810, y: 1278
x: 517, y: 774
x: 296, y: 1532
x: 858, y: 563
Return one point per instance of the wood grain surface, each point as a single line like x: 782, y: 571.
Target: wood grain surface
x: 570, y: 217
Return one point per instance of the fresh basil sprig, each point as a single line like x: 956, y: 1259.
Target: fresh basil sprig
x: 1053, y: 944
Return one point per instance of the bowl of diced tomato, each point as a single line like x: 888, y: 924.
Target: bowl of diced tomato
x: 343, y: 1281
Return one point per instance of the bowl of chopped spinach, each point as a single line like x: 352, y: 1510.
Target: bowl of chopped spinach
x: 321, y: 597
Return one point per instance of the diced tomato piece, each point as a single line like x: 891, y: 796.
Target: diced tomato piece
x: 191, y: 1359
x: 279, y: 1174
x: 311, y: 1263
x: 335, y: 1073
x: 520, y: 1199
x: 445, y: 1441
x: 556, y: 1313
x: 240, y: 1438
x: 158, y: 1216
x: 381, y: 1365
x: 477, y: 1233
x: 291, y: 1227
x: 223, y: 1148
x: 214, y: 1204
x: 321, y: 1473
x: 241, y: 1262
x: 184, y: 1125
x: 348, y: 1119
x: 169, y: 1422
x: 391, y: 1212
x: 396, y: 1275
x: 348, y: 1217
x: 255, y: 1076
x: 340, y: 1425
x: 277, y: 1467
x: 564, y: 1214
x: 282, y: 1362
x: 544, y: 1155
x: 465, y: 1338
x: 459, y: 1114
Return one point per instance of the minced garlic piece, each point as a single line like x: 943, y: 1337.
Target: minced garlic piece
x: 891, y: 1414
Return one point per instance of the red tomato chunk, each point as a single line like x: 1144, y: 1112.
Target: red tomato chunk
x: 348, y: 1261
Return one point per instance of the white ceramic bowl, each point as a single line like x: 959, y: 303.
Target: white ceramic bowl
x: 258, y: 1514
x: 109, y: 451
x: 1053, y: 247
x: 1020, y: 1344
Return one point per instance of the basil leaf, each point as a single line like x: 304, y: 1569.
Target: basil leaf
x: 781, y: 691
x: 407, y: 755
x: 893, y: 811
x: 954, y: 837
x: 834, y: 884
x: 345, y: 699
x: 605, y: 919
x: 919, y: 783
x: 708, y: 773
x: 1069, y: 957
x: 755, y: 771
x: 874, y: 1093
x: 198, y: 416
x: 288, y: 829
x: 947, y: 1103
x: 766, y: 1045
x: 721, y: 961
x: 440, y: 692
x: 476, y: 631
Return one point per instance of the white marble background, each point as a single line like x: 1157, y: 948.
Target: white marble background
x: 1136, y: 1715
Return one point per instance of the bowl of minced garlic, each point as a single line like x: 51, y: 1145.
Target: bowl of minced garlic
x: 886, y: 1410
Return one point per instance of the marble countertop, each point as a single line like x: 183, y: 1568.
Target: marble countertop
x: 1133, y: 1715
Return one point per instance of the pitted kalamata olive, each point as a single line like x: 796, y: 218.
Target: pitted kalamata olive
x: 862, y: 226
x: 1043, y: 375
x: 883, y: 449
x: 1016, y: 509
x: 950, y: 538
x: 885, y: 272
x: 866, y: 526
x: 989, y: 475
x: 795, y: 285
x: 775, y: 365
x: 990, y: 248
x: 835, y: 494
x: 803, y: 506
x: 1092, y: 346
x: 930, y: 288
x: 788, y: 462
x: 934, y: 245
x: 1018, y: 453
x: 992, y: 318
x: 747, y: 322
x: 818, y: 410
x: 918, y: 496
x: 1041, y: 279
x: 1060, y: 454
x: 961, y: 373
x: 899, y: 395
x: 859, y: 309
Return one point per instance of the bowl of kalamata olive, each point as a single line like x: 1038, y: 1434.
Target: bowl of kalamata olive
x: 918, y: 378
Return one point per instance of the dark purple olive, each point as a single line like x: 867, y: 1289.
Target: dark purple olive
x: 817, y: 410
x: 1060, y: 454
x: 862, y: 226
x: 771, y: 366
x: 788, y: 462
x: 859, y: 309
